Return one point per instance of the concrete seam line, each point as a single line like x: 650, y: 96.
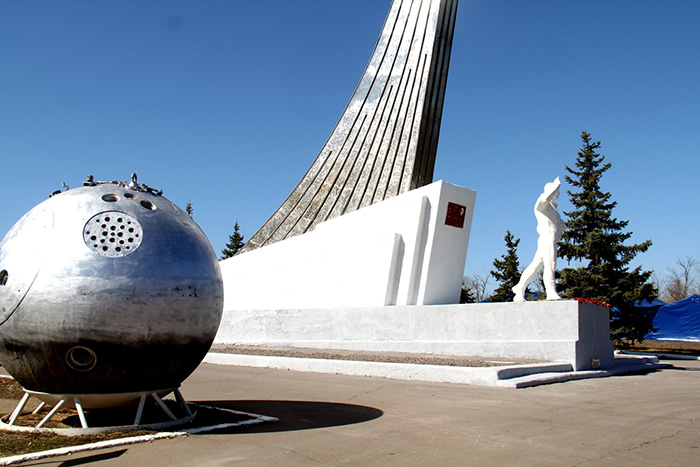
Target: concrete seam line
x: 86, y: 447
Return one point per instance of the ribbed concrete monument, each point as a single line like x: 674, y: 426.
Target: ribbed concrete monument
x: 367, y: 253
x: 386, y: 140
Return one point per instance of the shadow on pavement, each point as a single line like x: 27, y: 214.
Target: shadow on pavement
x: 93, y: 458
x: 681, y: 368
x: 296, y: 415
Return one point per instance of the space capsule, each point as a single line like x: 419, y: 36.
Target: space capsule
x: 106, y: 289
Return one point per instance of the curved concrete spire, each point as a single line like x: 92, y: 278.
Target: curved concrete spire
x: 386, y: 139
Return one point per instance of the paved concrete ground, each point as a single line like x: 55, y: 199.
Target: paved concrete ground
x: 339, y: 420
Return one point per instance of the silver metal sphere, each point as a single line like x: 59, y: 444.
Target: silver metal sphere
x: 104, y: 289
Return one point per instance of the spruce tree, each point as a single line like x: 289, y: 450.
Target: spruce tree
x: 597, y: 239
x: 507, y: 270
x: 235, y: 243
x: 467, y: 294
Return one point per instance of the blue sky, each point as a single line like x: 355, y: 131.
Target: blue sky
x: 227, y: 103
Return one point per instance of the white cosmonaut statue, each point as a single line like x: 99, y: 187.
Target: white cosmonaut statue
x: 549, y: 228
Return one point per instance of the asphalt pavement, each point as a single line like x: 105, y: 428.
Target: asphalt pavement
x: 338, y: 420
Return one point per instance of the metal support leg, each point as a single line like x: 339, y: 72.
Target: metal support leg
x: 19, y: 408
x: 81, y: 414
x: 181, y: 400
x: 139, y: 411
x: 39, y: 407
x: 162, y: 405
x: 53, y: 412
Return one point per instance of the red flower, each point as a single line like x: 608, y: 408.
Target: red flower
x: 590, y: 300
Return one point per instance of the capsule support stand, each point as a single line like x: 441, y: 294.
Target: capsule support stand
x: 81, y: 401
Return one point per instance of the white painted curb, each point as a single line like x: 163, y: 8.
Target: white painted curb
x: 110, y: 443
x: 32, y: 456
x: 480, y: 376
x: 511, y: 376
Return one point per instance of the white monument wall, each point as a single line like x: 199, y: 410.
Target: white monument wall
x: 397, y: 252
x: 564, y: 330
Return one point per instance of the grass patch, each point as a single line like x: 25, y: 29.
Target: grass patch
x: 14, y: 443
x: 674, y: 347
x: 9, y: 389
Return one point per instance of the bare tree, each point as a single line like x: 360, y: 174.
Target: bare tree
x: 682, y: 280
x: 475, y: 286
x: 537, y: 285
x: 658, y: 281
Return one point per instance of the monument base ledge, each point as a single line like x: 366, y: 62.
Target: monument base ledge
x: 563, y: 331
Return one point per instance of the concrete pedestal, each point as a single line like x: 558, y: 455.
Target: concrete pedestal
x: 407, y: 250
x: 563, y: 331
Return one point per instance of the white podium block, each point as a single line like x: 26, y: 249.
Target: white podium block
x: 407, y: 250
x: 553, y: 331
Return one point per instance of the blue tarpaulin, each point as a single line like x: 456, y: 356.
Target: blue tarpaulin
x: 678, y: 321
x: 648, y: 308
x: 656, y: 303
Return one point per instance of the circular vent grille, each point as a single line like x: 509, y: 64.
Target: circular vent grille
x: 112, y: 234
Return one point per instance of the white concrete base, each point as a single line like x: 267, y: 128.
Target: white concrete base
x: 406, y: 250
x: 512, y: 376
x: 553, y: 331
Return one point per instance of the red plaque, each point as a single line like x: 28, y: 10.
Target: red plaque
x: 455, y: 215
